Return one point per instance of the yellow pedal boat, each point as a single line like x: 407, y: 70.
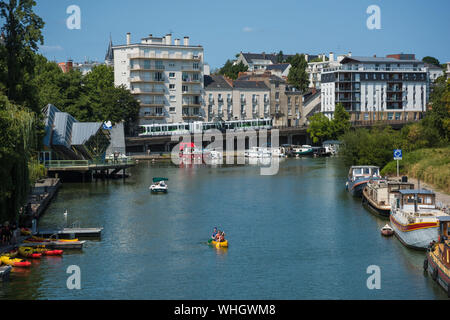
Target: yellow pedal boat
x: 223, y: 244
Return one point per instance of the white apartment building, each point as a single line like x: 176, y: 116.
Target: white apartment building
x: 165, y: 77
x: 315, y: 68
x: 236, y: 100
x: 372, y: 88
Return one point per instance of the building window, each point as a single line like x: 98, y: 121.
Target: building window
x: 195, y: 65
x: 172, y: 109
x: 173, y: 99
x: 366, y: 116
x: 172, y: 75
x: 390, y: 116
x: 171, y: 86
x: 398, y: 116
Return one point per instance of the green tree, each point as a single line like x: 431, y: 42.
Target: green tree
x: 319, y: 128
x: 431, y: 60
x: 340, y: 123
x: 280, y: 57
x: 17, y: 144
x: 22, y: 29
x: 232, y: 70
x: 298, y: 77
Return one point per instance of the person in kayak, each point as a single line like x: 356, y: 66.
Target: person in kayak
x: 214, y: 233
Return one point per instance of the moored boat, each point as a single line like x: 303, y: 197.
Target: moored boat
x: 15, y: 262
x: 437, y: 262
x: 414, y: 218
x: 387, y: 231
x: 28, y: 252
x: 358, y: 176
x: 378, y: 194
x: 304, y: 150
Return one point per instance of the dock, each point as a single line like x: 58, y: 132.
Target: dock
x: 72, y: 233
x: 64, y: 245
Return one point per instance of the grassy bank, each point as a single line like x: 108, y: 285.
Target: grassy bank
x: 431, y: 165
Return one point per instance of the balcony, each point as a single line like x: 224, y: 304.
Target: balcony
x: 144, y: 80
x: 149, y: 56
x: 149, y: 116
x: 192, y: 92
x: 145, y: 68
x: 188, y: 116
x: 191, y: 80
x: 152, y: 104
x: 190, y: 69
x: 191, y: 104
x: 150, y: 92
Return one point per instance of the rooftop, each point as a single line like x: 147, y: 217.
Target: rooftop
x: 216, y: 82
x: 416, y: 191
x: 354, y: 59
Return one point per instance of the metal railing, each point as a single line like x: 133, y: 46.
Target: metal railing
x: 85, y: 163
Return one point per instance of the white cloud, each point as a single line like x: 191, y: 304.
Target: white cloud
x: 247, y: 29
x: 51, y: 48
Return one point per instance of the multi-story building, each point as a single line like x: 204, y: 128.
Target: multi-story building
x: 285, y: 101
x: 374, y: 88
x: 259, y: 61
x: 227, y: 100
x: 165, y: 77
x: 315, y: 67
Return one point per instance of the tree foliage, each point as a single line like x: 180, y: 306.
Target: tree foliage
x: 431, y: 60
x: 321, y: 128
x: 22, y: 30
x: 232, y: 70
x: 298, y: 76
x: 17, y: 143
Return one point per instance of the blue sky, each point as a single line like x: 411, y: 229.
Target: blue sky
x: 225, y: 28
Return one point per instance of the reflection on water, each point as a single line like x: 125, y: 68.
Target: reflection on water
x: 295, y: 235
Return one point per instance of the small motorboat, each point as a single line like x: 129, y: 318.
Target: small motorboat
x: 387, y: 231
x: 159, y: 186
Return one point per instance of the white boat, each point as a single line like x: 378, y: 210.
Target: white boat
x: 387, y: 231
x: 258, y: 152
x: 303, y: 150
x: 414, y: 218
x: 278, y: 152
x: 159, y: 186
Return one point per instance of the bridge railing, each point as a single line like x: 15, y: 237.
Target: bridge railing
x: 85, y: 163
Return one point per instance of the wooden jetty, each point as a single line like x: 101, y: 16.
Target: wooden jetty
x: 65, y: 245
x: 72, y: 233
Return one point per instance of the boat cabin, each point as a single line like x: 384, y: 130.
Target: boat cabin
x: 382, y: 191
x: 357, y: 172
x: 415, y: 200
x: 444, y: 243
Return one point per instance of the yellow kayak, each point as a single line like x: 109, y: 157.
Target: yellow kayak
x: 14, y: 262
x: 223, y: 244
x: 38, y: 239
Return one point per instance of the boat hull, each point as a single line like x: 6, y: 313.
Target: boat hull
x: 356, y: 187
x: 442, y: 277
x: 414, y: 236
x: 381, y: 212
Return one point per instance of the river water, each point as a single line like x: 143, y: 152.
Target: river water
x: 294, y: 235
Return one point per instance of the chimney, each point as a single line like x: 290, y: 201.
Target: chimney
x: 128, y: 38
x: 186, y: 41
x: 374, y: 55
x: 349, y: 53
x: 331, y: 57
x: 169, y: 38
x: 324, y: 57
x: 177, y: 42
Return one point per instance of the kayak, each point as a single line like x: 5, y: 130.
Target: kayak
x: 28, y: 252
x: 37, y: 239
x: 223, y: 244
x: 14, y: 262
x: 25, y: 231
x: 48, y: 252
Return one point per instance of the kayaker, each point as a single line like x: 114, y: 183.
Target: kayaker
x: 214, y: 234
x: 222, y: 237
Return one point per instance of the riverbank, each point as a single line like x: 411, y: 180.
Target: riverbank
x: 432, y: 165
